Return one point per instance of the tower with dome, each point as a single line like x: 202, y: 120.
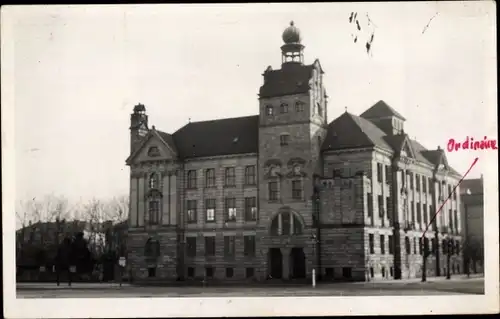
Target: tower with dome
x: 284, y: 192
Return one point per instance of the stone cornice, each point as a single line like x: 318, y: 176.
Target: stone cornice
x: 221, y: 157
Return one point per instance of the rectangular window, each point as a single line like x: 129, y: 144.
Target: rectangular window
x: 284, y: 139
x: 420, y: 247
x: 412, y: 203
x: 429, y: 184
x: 299, y: 106
x: 249, y: 245
x: 387, y: 174
x: 190, y: 272
x: 450, y: 220
x: 372, y: 244
x: 284, y: 108
x: 273, y: 190
x: 191, y: 180
x: 414, y: 245
x: 250, y: 208
x: 230, y: 209
x: 210, y: 177
x: 455, y: 215
x: 210, y: 246
x: 382, y: 244
x: 250, y: 175
x: 191, y: 246
x: 417, y: 181
x: 425, y: 214
x: 419, y: 213
x: 433, y: 246
x: 269, y: 110
x: 455, y: 193
x: 191, y: 211
x: 229, y: 247
x: 346, y: 272
x: 249, y: 272
x: 210, y: 209
x: 152, y: 272
x: 209, y: 272
x: 230, y: 176
x: 381, y: 212
x: 411, y: 180
x: 154, y: 212
x: 297, y: 189
x: 370, y: 205
x: 424, y: 184
x: 407, y: 245
x: 229, y: 272
x: 391, y: 245
x: 329, y: 274
x: 388, y: 209
x: 380, y: 169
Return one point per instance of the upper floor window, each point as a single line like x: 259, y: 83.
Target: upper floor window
x: 153, y: 151
x: 210, y: 177
x: 230, y: 209
x: 320, y: 108
x: 230, y: 176
x: 387, y: 174
x: 210, y: 209
x: 154, y: 212
x: 191, y: 246
x: 229, y: 246
x: 297, y: 189
x: 286, y: 224
x: 424, y: 184
x: 191, y: 211
x: 299, y: 106
x: 371, y: 242
x: 210, y: 246
x: 370, y: 204
x: 250, y: 178
x: 417, y: 182
x: 284, y: 139
x: 153, y: 181
x: 249, y: 245
x: 191, y: 182
x: 250, y: 208
x: 284, y: 108
x: 380, y: 172
x: 269, y: 110
x: 273, y: 190
x: 382, y: 244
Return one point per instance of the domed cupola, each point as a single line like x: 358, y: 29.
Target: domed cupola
x: 292, y: 50
x: 291, y: 34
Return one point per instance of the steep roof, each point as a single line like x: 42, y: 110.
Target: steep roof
x: 381, y: 109
x: 168, y: 138
x: 218, y: 137
x: 474, y: 185
x: 351, y: 131
x: 290, y: 79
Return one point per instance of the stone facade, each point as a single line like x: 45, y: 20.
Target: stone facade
x: 291, y: 205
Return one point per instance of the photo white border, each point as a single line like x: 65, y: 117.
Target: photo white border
x: 237, y: 307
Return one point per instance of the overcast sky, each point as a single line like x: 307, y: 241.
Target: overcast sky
x: 79, y: 71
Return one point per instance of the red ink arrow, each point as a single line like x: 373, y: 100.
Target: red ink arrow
x: 449, y: 196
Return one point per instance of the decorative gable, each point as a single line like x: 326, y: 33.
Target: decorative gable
x: 407, y: 149
x: 153, y: 148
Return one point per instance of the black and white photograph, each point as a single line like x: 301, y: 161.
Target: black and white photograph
x: 206, y: 160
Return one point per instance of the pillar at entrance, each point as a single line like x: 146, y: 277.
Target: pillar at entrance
x: 285, y: 253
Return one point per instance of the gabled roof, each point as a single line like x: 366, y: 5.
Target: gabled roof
x: 292, y: 78
x: 164, y: 137
x: 218, y: 137
x: 381, y: 109
x: 474, y: 185
x: 351, y: 131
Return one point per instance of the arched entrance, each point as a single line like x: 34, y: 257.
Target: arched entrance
x: 275, y: 263
x: 297, y: 263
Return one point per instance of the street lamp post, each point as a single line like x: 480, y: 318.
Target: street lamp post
x: 448, y: 256
x: 314, y: 240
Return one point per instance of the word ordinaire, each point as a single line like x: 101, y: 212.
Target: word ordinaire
x: 470, y: 144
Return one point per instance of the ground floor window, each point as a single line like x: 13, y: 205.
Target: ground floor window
x: 152, y: 272
x: 329, y: 273
x: 209, y: 272
x: 249, y: 272
x: 383, y: 272
x: 371, y: 272
x: 391, y: 271
x: 346, y: 272
x: 190, y: 272
x: 229, y: 272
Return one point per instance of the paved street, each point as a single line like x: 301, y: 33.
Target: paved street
x: 436, y: 286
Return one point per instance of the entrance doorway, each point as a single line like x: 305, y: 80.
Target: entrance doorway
x: 275, y: 263
x: 298, y: 263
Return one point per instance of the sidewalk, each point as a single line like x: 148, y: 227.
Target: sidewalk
x: 64, y: 285
x: 404, y: 281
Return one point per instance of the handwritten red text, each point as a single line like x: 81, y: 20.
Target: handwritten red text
x: 471, y: 144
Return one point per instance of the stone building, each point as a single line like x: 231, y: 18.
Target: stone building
x: 473, y: 223
x: 277, y: 194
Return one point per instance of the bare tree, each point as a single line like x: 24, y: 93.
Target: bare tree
x: 118, y: 209
x: 94, y: 213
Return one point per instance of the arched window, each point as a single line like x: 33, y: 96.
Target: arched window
x: 286, y: 223
x: 153, y: 181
